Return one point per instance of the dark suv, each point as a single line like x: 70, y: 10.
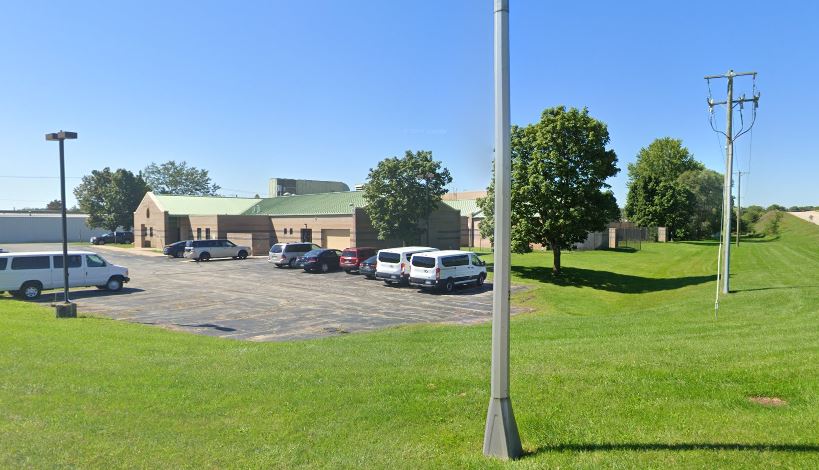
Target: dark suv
x: 113, y: 237
x: 351, y: 258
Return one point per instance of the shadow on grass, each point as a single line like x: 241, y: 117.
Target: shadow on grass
x: 608, y: 281
x: 648, y: 447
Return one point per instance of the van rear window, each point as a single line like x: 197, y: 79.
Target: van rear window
x: 31, y: 262
x: 423, y: 261
x: 297, y: 248
x: 348, y: 253
x: 387, y: 257
x: 3, y: 263
x: 276, y: 249
x: 460, y: 260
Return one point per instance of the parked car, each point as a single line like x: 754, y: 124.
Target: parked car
x: 175, y: 250
x: 321, y: 260
x: 3, y: 251
x: 446, y: 269
x: 367, y: 267
x: 113, y: 237
x: 27, y: 274
x: 285, y: 254
x: 393, y: 263
x: 351, y: 258
x: 203, y: 250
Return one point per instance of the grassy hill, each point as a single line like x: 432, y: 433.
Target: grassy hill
x: 619, y: 364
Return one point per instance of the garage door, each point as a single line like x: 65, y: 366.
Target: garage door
x: 335, y: 238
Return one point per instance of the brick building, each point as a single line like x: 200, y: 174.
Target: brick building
x: 332, y: 220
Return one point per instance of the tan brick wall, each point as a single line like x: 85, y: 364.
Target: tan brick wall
x: 288, y: 229
x: 150, y: 223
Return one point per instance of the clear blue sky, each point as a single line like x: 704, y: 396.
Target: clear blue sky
x: 326, y: 89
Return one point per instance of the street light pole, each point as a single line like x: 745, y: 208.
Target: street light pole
x: 66, y: 309
x: 501, y: 438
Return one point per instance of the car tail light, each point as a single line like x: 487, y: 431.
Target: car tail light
x: 402, y: 267
x: 312, y: 260
x: 437, y: 274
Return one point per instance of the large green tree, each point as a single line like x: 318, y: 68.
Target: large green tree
x: 402, y: 192
x: 705, y: 187
x: 110, y: 197
x: 559, y: 192
x: 656, y: 194
x: 174, y: 177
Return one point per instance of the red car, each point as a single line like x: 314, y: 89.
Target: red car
x: 351, y: 258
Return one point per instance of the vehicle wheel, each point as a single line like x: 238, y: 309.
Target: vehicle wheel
x: 31, y: 290
x: 292, y: 263
x: 114, y: 284
x: 102, y: 242
x: 179, y: 254
x: 449, y: 286
x: 242, y: 254
x: 204, y: 256
x: 324, y: 267
x: 481, y: 278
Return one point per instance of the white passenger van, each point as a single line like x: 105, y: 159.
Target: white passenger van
x: 446, y: 269
x: 26, y: 275
x: 393, y: 263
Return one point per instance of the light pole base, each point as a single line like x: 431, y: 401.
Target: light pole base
x: 66, y: 310
x: 501, y: 438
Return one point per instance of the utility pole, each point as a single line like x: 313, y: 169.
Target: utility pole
x: 501, y: 438
x: 729, y: 103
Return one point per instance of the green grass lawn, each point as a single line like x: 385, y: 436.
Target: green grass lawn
x: 619, y: 364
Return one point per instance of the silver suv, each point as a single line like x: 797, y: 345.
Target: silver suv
x: 285, y: 254
x: 203, y: 250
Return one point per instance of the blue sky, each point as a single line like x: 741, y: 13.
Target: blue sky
x: 326, y: 89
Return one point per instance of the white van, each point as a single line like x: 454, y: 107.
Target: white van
x: 26, y: 275
x: 393, y: 263
x: 446, y: 269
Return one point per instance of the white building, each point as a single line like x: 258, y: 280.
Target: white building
x: 32, y: 227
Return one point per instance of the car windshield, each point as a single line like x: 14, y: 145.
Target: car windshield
x: 423, y: 261
x: 348, y: 253
x: 313, y: 253
x: 389, y: 257
x: 276, y: 249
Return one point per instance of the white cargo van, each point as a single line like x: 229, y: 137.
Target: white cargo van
x: 393, y: 263
x: 26, y: 275
x: 446, y: 269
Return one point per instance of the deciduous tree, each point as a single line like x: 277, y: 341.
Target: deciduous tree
x: 658, y: 197
x: 110, y: 197
x: 402, y: 192
x: 559, y: 170
x: 179, y: 178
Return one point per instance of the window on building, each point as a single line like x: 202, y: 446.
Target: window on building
x: 199, y: 233
x: 207, y: 233
x: 306, y: 234
x: 151, y: 232
x: 148, y: 213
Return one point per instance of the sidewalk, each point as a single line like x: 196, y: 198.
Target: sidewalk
x: 131, y: 251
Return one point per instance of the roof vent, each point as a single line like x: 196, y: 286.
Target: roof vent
x: 359, y: 187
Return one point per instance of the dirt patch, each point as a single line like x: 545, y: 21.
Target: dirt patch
x: 768, y: 401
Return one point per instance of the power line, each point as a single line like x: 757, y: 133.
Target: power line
x: 37, y: 177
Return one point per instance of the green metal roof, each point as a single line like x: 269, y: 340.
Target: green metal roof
x: 310, y: 204
x: 205, y: 205
x: 467, y: 207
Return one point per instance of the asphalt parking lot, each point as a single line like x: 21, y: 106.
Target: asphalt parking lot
x: 253, y: 300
